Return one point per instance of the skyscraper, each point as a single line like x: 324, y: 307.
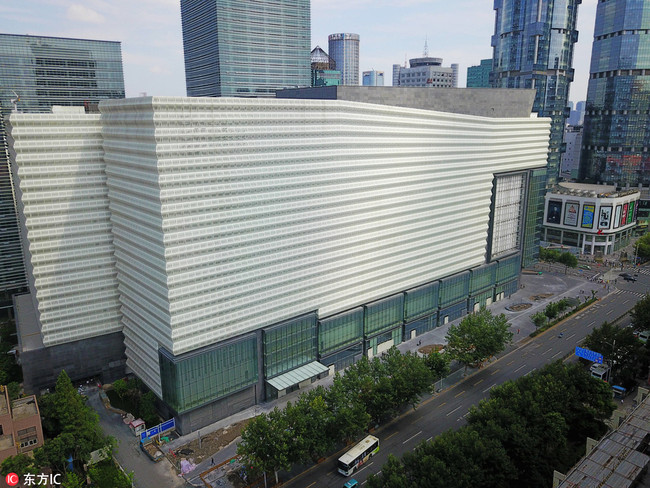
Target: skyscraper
x: 479, y: 76
x: 373, y: 78
x: 344, y: 50
x: 37, y: 72
x: 245, y: 48
x: 323, y: 69
x: 247, y: 254
x: 617, y: 118
x: 533, y: 48
x: 426, y: 72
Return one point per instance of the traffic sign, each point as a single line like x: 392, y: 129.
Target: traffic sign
x: 593, y: 356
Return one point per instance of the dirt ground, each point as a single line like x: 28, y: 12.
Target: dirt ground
x: 430, y: 347
x: 541, y: 296
x: 211, y: 443
x: 518, y: 307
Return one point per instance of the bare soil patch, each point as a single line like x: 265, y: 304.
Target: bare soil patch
x: 211, y: 443
x: 430, y: 347
x: 518, y: 307
x: 541, y: 296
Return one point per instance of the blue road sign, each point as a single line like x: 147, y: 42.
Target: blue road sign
x: 593, y: 356
x: 158, y: 429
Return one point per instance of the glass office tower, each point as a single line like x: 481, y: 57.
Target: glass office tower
x: 533, y: 48
x: 344, y: 50
x: 36, y: 73
x: 245, y: 48
x: 479, y: 76
x: 617, y: 118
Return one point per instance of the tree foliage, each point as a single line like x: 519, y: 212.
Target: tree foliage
x: 641, y: 312
x: 643, y: 246
x: 9, y: 370
x: 539, y: 319
x: 106, y: 475
x: 19, y: 464
x: 515, y: 438
x: 555, y: 256
x: 624, y: 353
x: 478, y: 337
x: 71, y: 427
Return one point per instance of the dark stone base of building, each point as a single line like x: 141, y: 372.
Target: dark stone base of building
x: 99, y: 357
x: 208, y: 414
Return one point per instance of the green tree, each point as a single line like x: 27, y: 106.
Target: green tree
x: 568, y: 259
x: 438, y: 364
x: 643, y: 246
x: 640, y: 314
x: 265, y: 443
x: 539, y: 319
x: 349, y: 416
x: 19, y: 464
x: 73, y: 480
x: 147, y: 409
x: 71, y: 426
x: 551, y: 310
x: 623, y: 352
x: 121, y: 387
x: 393, y: 475
x: 14, y: 389
x: 106, y: 475
x: 478, y: 337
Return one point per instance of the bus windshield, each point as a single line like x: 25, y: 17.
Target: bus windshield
x: 359, y: 454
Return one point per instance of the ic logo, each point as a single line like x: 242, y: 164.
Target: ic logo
x: 12, y: 479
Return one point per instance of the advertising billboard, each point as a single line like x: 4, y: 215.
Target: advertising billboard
x: 588, y: 216
x: 554, y: 213
x: 630, y: 213
x: 624, y: 214
x: 617, y: 217
x: 571, y: 212
x: 605, y: 218
x: 636, y: 210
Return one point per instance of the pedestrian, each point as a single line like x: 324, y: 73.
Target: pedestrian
x: 211, y: 461
x: 517, y: 331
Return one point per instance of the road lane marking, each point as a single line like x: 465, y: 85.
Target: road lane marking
x: 394, y: 433
x: 548, y: 350
x: 530, y: 371
x: 494, y: 372
x: 366, y: 466
x: 625, y: 301
x: 312, y: 484
x: 410, y: 438
x: 611, y: 311
x: 508, y: 364
x: 443, y: 404
x: 457, y: 408
x: 572, y: 335
x: 556, y: 354
x: 429, y: 438
x: 456, y: 396
x: 489, y: 388
x: 520, y: 368
x: 478, y: 382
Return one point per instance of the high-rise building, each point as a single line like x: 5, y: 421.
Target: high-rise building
x: 245, y: 48
x: 373, y: 78
x: 344, y: 50
x: 479, y: 76
x: 323, y: 69
x: 426, y: 71
x: 251, y: 251
x: 617, y: 119
x: 533, y: 48
x: 577, y: 116
x: 37, y: 72
x: 571, y: 156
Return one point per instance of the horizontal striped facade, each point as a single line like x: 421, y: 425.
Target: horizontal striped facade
x: 60, y: 182
x: 234, y: 214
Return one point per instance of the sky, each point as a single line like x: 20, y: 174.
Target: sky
x: 458, y: 31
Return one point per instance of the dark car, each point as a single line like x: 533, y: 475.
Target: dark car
x: 629, y: 278
x: 624, y: 275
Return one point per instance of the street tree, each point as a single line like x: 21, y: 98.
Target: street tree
x: 349, y: 416
x: 265, y: 443
x: 641, y: 313
x: 438, y: 364
x: 622, y: 351
x: 478, y: 337
x: 643, y: 246
x: 20, y: 464
x: 539, y: 319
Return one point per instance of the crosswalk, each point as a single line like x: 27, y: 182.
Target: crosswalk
x: 630, y: 292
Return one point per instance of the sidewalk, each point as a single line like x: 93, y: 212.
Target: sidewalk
x: 555, y: 283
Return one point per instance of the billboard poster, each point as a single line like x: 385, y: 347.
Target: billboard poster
x: 588, y: 211
x: 617, y: 217
x: 554, y: 213
x: 624, y: 215
x: 636, y: 210
x: 605, y: 219
x: 630, y: 213
x: 571, y: 214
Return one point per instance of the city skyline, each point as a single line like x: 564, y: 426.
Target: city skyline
x: 389, y: 31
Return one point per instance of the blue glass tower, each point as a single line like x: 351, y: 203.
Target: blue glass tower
x: 245, y: 48
x: 344, y: 50
x: 533, y: 48
x: 617, y: 118
x: 479, y: 76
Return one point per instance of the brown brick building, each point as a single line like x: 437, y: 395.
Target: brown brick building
x: 20, y: 425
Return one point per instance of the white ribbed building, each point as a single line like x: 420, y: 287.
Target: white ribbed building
x: 251, y: 238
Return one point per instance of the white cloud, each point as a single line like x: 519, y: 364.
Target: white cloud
x: 80, y: 13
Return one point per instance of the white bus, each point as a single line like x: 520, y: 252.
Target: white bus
x: 358, y: 455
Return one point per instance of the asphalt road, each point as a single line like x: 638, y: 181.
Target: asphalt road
x: 447, y: 410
